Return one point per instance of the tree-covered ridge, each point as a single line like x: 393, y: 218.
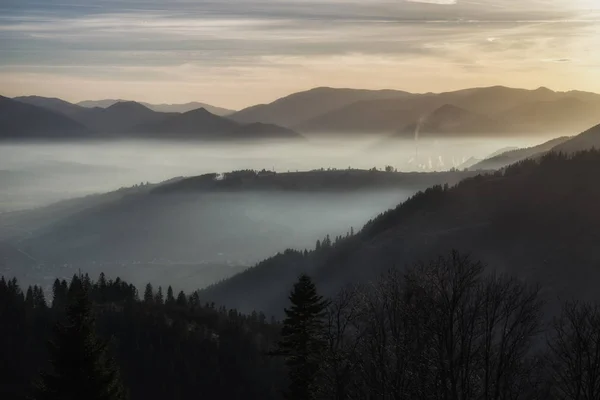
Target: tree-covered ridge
x: 330, y: 179
x: 529, y: 219
x: 168, y: 346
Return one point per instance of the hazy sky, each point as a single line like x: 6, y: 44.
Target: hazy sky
x: 235, y: 53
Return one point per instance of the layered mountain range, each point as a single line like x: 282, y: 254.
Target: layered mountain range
x: 477, y: 112
x: 35, y: 117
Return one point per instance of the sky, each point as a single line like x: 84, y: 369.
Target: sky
x: 236, y: 53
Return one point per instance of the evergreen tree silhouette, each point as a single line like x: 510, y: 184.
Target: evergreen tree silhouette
x: 81, y: 365
x: 148, y: 294
x: 302, y: 340
x: 170, y: 298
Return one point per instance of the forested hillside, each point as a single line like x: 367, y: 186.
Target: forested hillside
x: 167, y: 345
x: 536, y: 219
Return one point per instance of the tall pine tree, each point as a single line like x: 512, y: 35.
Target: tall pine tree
x: 81, y: 364
x: 302, y: 340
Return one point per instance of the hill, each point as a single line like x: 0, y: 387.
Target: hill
x: 128, y: 119
x: 119, y: 118
x: 535, y: 219
x: 99, y: 103
x: 449, y: 120
x: 185, y: 107
x: 22, y: 121
x: 233, y: 220
x: 53, y: 104
x: 116, y: 119
x: 519, y: 110
x: 192, y: 123
x: 292, y: 110
x: 589, y: 139
x: 561, y: 115
x: 512, y: 156
x: 201, y: 124
x: 164, y: 108
x: 372, y: 116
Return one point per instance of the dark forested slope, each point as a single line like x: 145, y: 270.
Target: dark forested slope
x: 535, y: 219
x: 167, y: 345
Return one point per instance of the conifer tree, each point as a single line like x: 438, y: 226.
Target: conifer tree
x: 158, y: 299
x: 81, y: 365
x: 170, y: 297
x: 302, y: 340
x: 29, y: 297
x: 148, y: 294
x: 59, y: 294
x: 181, y: 299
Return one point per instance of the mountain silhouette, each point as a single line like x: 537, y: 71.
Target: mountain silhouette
x: 520, y: 111
x: 589, y: 139
x: 292, y: 110
x: 505, y: 158
x: 196, y: 122
x: 201, y: 124
x: 166, y: 108
x: 53, y: 104
x: 455, y: 121
x: 119, y: 118
x: 22, y: 121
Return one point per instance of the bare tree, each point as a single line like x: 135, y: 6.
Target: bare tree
x: 575, y: 353
x: 343, y: 334
x: 441, y: 330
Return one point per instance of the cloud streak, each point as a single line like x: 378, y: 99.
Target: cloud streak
x: 153, y: 51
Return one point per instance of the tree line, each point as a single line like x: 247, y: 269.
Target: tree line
x: 444, y: 330
x: 441, y: 330
x: 102, y: 340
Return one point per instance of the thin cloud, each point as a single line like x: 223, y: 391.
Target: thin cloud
x: 281, y: 46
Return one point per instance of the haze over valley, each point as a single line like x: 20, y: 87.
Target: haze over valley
x: 300, y: 199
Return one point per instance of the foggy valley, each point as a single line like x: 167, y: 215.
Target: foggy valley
x: 302, y: 200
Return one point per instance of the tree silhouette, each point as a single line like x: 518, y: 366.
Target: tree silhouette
x: 81, y: 365
x: 302, y: 341
x: 148, y: 294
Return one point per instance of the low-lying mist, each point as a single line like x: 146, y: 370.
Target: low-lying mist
x: 36, y: 174
x: 196, y: 238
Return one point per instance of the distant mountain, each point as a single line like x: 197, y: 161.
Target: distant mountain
x: 519, y: 110
x: 198, y: 122
x: 129, y: 119
x: 567, y: 114
x: 372, y: 116
x: 22, y: 121
x: 165, y: 108
x: 99, y: 103
x: 296, y: 108
x: 118, y: 119
x: 496, y: 99
x: 512, y: 156
x: 201, y: 124
x: 531, y: 220
x: 53, y: 104
x: 182, y: 108
x: 587, y: 140
x: 468, y: 163
x: 450, y: 120
x: 502, y: 150
x: 259, y: 130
